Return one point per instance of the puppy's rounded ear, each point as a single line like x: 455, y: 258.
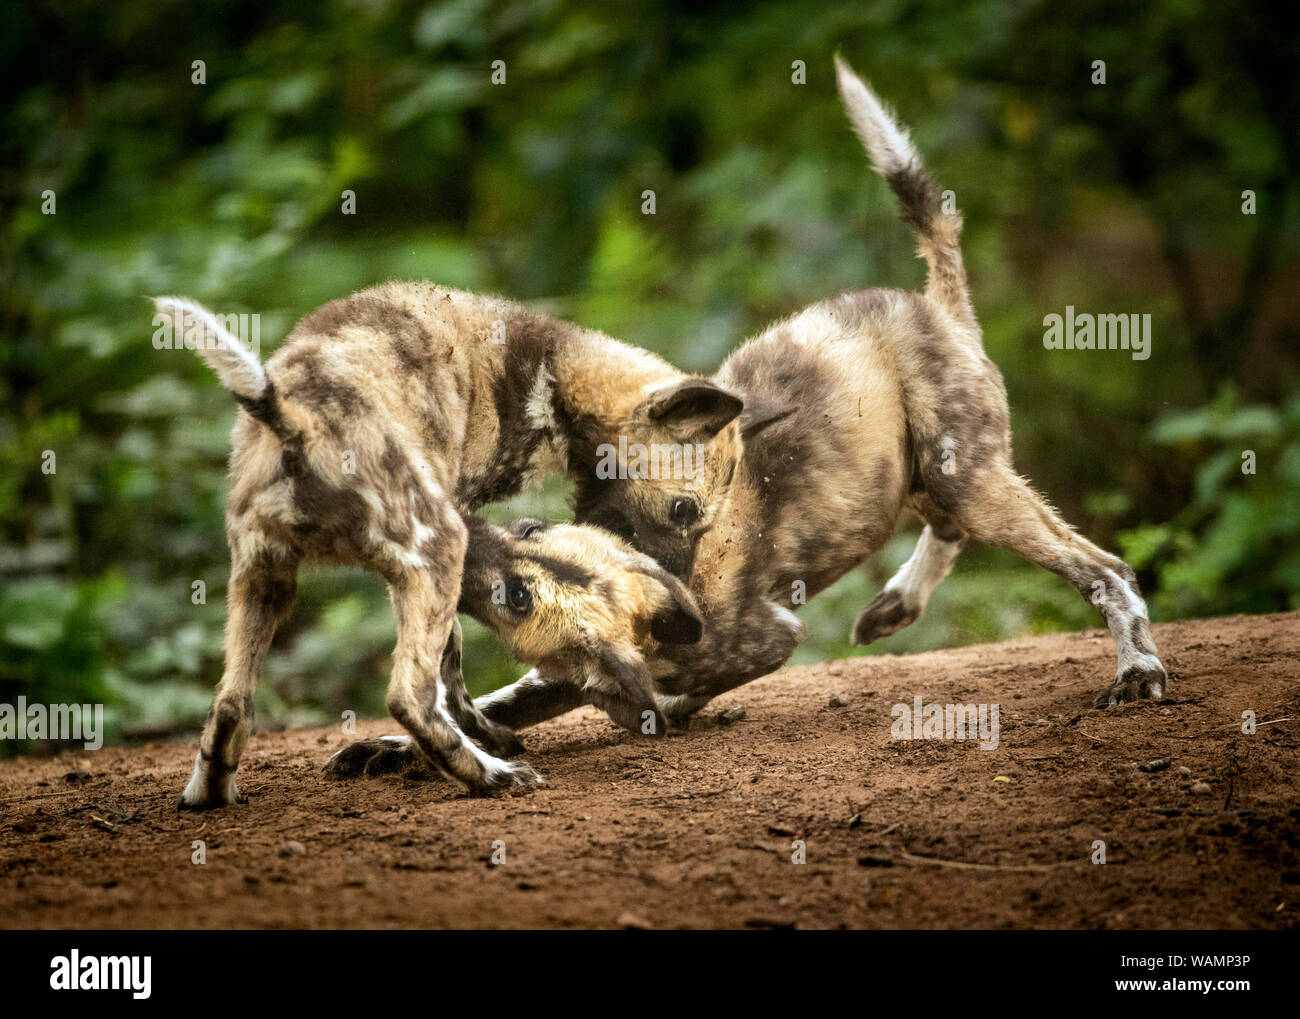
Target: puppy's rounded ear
x: 677, y: 621
x: 759, y: 414
x: 693, y: 408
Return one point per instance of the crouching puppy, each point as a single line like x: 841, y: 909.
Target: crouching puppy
x: 855, y: 408
x: 583, y: 607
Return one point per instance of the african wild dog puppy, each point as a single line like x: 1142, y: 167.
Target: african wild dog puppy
x: 890, y: 401
x: 382, y: 420
x: 578, y: 603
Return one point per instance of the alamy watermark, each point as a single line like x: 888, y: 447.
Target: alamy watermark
x: 194, y: 334
x: 77, y: 972
x: 1086, y: 331
x: 946, y: 721
x: 70, y: 722
x: 658, y: 461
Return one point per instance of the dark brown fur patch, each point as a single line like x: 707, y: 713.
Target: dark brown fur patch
x: 529, y: 349
x: 336, y: 401
x: 918, y: 197
x: 265, y: 408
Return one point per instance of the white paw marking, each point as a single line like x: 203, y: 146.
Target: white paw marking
x: 196, y: 791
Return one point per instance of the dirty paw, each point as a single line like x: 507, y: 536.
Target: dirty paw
x: 384, y: 756
x: 211, y: 800
x: 1135, y: 683
x: 886, y: 614
x: 209, y: 787
x: 511, y: 777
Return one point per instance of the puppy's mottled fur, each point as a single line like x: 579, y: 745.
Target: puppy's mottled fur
x: 578, y: 603
x: 890, y: 401
x: 588, y: 610
x: 381, y: 422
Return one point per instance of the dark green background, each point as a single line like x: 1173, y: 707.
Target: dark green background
x: 1123, y: 197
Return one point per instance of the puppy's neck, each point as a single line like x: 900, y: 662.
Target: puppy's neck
x: 561, y: 391
x: 585, y: 390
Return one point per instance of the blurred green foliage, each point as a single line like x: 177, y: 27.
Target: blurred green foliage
x: 1122, y: 197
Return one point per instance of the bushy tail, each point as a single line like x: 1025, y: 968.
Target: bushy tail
x: 894, y: 157
x: 235, y: 364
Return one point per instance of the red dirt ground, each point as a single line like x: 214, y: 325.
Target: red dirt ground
x: 697, y: 829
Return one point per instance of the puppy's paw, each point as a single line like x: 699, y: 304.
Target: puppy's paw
x: 207, y: 790
x: 679, y: 725
x: 384, y: 756
x: 886, y: 614
x: 189, y: 801
x: 511, y: 777
x: 1135, y: 683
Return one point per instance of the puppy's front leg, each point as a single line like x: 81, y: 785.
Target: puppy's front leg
x: 536, y: 698
x: 904, y: 597
x: 732, y: 653
x: 398, y: 753
x: 533, y: 698
x: 418, y: 698
x: 494, y: 737
x: 381, y: 756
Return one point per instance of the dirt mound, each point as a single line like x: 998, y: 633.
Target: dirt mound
x: 1201, y: 823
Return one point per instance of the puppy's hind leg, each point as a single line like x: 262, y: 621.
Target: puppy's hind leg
x: 903, y: 599
x: 531, y: 699
x: 260, y: 594
x: 1001, y: 509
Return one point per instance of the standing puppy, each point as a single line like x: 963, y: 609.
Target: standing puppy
x: 889, y: 401
x: 383, y: 418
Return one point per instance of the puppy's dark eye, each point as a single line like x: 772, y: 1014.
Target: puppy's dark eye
x: 531, y: 529
x: 684, y: 512
x: 518, y: 597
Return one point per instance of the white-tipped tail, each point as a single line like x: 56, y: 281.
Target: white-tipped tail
x: 922, y: 204
x: 197, y: 328
x: 888, y: 144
